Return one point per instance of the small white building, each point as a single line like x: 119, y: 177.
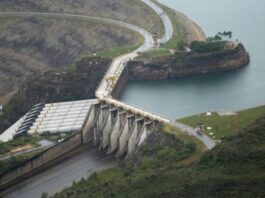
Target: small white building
x: 208, y: 113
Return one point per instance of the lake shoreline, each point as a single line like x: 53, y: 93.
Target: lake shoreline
x: 160, y: 68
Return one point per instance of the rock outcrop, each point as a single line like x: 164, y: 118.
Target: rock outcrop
x: 56, y: 86
x: 191, y: 63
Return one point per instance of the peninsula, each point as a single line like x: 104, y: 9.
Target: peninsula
x: 161, y: 155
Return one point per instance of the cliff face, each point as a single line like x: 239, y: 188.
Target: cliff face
x: 54, y: 86
x: 33, y: 45
x: 190, y: 64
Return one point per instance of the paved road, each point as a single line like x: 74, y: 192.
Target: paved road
x: 55, y: 179
x: 118, y: 64
x: 83, y: 164
x: 168, y: 27
x: 103, y: 92
x: 207, y: 141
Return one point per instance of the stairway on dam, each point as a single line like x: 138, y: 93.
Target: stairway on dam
x: 62, y: 117
x: 113, y: 130
x: 108, y: 124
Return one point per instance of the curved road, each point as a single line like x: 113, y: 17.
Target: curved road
x: 103, y: 93
x: 83, y: 163
x: 104, y: 90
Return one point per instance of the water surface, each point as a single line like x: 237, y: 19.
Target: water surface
x: 227, y: 91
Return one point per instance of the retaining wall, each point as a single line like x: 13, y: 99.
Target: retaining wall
x: 121, y: 83
x: 41, y: 159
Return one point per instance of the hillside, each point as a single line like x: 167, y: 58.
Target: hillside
x: 132, y: 11
x: 73, y: 83
x: 235, y: 168
x: 32, y: 45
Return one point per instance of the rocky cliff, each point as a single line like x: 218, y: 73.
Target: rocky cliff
x: 55, y: 86
x: 189, y: 63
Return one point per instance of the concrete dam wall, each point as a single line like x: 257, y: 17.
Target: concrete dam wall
x: 29, y: 167
x: 121, y: 83
x: 116, y: 130
x: 113, y: 130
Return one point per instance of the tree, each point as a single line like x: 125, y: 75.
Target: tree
x: 181, y: 45
x: 225, y: 34
x: 217, y: 37
x: 44, y: 195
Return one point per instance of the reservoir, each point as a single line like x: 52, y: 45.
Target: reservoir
x: 229, y: 91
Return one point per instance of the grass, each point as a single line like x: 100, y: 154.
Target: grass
x: 223, y: 126
x: 187, y: 139
x: 116, y: 51
x: 165, y: 150
x: 8, y: 164
x: 156, y: 53
x: 25, y: 139
x: 234, y: 168
x: 66, y: 68
x: 172, y: 43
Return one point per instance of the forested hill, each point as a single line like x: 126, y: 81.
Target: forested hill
x: 235, y: 168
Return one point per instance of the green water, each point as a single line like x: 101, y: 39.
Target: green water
x: 235, y: 90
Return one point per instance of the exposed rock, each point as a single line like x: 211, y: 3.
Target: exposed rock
x: 192, y: 63
x: 55, y: 86
x: 33, y: 45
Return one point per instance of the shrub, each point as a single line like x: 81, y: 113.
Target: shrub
x: 94, y: 175
x: 44, y: 195
x: 206, y: 46
x: 180, y: 56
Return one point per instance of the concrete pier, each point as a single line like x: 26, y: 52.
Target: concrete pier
x: 116, y: 130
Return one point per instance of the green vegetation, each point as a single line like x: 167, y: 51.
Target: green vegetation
x: 12, y: 162
x: 116, y: 51
x: 221, y: 36
x: 178, y: 36
x: 164, y: 150
x: 41, y: 47
x: 77, y: 83
x: 234, y: 168
x: 180, y: 56
x: 173, y: 42
x: 207, y: 46
x: 225, y: 34
x: 24, y: 140
x: 156, y: 53
x: 222, y: 126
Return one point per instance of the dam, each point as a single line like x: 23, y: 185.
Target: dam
x: 105, y: 123
x: 211, y: 92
